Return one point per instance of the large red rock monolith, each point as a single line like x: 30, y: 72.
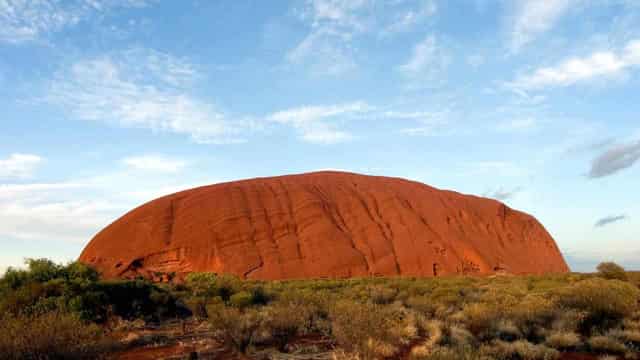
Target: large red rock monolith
x: 324, y: 224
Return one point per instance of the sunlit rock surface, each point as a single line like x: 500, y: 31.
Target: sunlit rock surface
x: 324, y: 224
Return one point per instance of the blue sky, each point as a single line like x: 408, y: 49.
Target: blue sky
x: 107, y: 104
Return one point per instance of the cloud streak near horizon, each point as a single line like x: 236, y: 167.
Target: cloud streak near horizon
x: 610, y: 220
x: 615, y: 159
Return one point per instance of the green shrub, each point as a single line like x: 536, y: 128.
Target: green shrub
x: 42, y: 270
x: 213, y: 306
x: 612, y: 271
x: 13, y: 279
x: 241, y: 299
x: 202, y: 284
x: 227, y: 285
x: 259, y: 296
x: 45, y: 286
x: 198, y: 307
x: 138, y: 299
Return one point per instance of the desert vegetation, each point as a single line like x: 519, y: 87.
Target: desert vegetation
x: 66, y: 311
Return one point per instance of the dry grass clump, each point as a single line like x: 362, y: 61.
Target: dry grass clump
x: 481, y: 319
x: 564, y: 341
x: 343, y: 355
x: 568, y: 320
x: 457, y: 336
x: 448, y: 353
x: 382, y: 295
x: 284, y: 321
x: 520, y: 349
x: 433, y: 336
x: 607, y: 357
x: 371, y: 330
x: 531, y: 314
x: 604, y: 302
x: 239, y: 328
x: 630, y: 337
x: 507, y: 314
x: 604, y: 344
x: 53, y: 335
x: 422, y: 305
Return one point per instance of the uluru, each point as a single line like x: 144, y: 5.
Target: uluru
x: 323, y: 224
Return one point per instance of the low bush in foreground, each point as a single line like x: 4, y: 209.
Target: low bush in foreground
x: 52, y: 335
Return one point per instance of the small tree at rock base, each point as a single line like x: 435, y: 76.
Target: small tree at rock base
x: 612, y: 271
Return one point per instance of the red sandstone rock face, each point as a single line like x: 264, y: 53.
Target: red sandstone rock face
x: 325, y: 224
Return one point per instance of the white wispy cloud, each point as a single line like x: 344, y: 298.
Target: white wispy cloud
x: 314, y: 122
x: 424, y: 53
x: 330, y: 47
x: 532, y: 18
x: 340, y: 13
x: 575, y: 70
x: 157, y: 163
x: 27, y: 20
x: 426, y: 123
x: 308, y: 114
x: 428, y: 60
x: 19, y: 165
x: 320, y: 124
x: 327, y: 47
x: 408, y: 19
x: 142, y: 88
x: 324, y: 52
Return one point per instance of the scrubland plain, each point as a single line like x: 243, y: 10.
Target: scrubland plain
x: 53, y: 311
